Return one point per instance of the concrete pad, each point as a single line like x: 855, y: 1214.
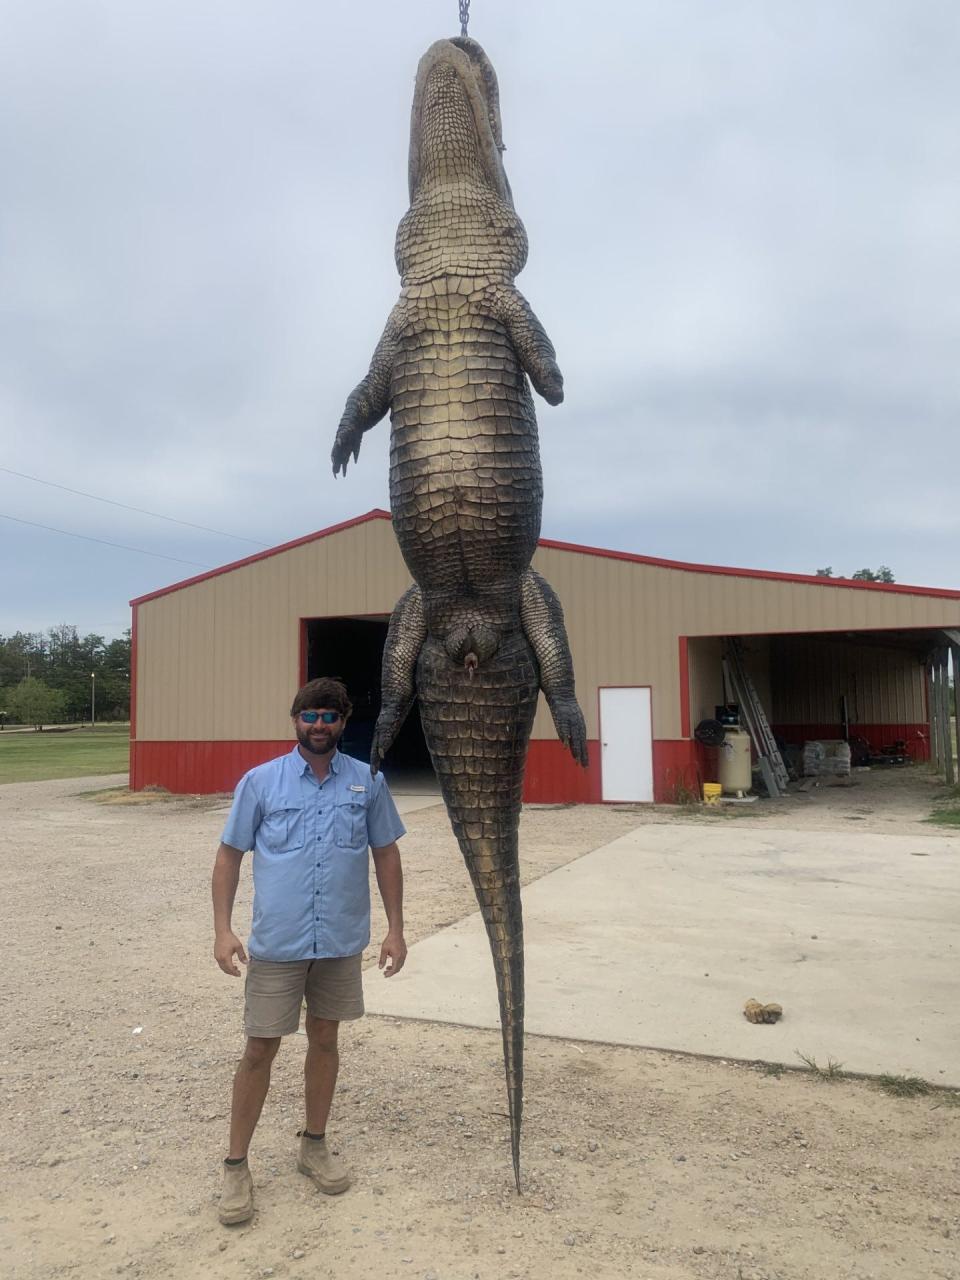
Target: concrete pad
x: 658, y: 938
x: 411, y: 803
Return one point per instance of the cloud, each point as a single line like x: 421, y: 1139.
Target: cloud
x: 742, y: 223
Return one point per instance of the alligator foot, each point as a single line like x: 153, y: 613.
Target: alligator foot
x: 549, y: 381
x: 571, y: 728
x: 389, y: 722
x: 347, y: 442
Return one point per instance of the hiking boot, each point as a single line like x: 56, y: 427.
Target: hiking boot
x: 236, y: 1202
x: 318, y: 1162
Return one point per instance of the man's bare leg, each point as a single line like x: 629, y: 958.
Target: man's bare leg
x: 250, y: 1085
x: 320, y: 1071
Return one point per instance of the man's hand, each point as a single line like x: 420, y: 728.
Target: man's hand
x: 225, y: 947
x: 392, y: 954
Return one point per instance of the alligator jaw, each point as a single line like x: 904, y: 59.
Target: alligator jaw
x: 455, y: 121
x: 461, y: 221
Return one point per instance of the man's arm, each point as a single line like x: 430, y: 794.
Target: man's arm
x: 386, y: 861
x: 226, y: 877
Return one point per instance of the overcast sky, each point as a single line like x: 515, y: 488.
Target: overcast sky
x: 743, y: 220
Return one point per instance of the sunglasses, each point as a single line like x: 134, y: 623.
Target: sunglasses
x: 327, y: 717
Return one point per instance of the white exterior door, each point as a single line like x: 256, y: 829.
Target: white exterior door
x: 626, y: 744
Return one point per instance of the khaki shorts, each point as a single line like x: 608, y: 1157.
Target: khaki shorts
x: 333, y: 989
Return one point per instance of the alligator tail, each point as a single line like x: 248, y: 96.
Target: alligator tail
x: 477, y: 725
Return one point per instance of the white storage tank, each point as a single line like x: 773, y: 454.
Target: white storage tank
x: 735, y: 763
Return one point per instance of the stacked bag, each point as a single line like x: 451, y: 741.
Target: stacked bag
x: 826, y: 759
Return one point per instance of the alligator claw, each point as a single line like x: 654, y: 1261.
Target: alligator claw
x: 378, y: 749
x: 571, y: 729
x: 551, y: 386
x: 347, y: 443
x: 386, y: 729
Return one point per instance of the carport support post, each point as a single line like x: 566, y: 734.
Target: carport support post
x: 933, y: 700
x: 940, y: 705
x: 956, y: 697
x: 947, y: 735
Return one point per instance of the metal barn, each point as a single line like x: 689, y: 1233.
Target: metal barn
x: 217, y: 658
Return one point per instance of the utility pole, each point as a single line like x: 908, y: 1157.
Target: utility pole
x: 93, y: 699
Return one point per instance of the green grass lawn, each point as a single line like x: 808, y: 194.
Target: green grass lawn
x: 79, y: 753
x: 945, y: 817
x: 947, y: 812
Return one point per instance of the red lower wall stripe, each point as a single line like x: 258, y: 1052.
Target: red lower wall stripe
x: 878, y: 736
x: 552, y: 777
x: 197, y: 768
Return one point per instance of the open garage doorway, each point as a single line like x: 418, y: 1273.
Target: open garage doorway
x: 352, y: 650
x: 859, y: 703
x: 864, y: 687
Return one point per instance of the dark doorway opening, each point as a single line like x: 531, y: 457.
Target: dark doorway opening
x: 352, y: 650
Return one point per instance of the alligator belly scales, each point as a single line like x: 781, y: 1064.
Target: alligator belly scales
x: 479, y: 634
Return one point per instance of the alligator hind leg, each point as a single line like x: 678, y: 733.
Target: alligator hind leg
x: 405, y: 636
x: 542, y: 618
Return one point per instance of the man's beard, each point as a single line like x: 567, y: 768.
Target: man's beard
x: 321, y: 745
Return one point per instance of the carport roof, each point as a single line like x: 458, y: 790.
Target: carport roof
x: 921, y: 640
x: 377, y: 513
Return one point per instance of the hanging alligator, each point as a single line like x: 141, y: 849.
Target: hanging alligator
x: 480, y: 633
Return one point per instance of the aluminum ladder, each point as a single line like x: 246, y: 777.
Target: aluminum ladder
x: 772, y: 768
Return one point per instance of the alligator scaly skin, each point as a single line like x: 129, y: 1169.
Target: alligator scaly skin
x: 480, y: 633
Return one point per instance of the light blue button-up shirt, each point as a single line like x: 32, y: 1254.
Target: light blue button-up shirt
x: 311, y: 884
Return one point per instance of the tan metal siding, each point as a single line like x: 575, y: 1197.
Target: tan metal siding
x: 810, y: 675
x: 622, y: 623
x: 624, y: 619
x: 706, y: 679
x: 220, y: 659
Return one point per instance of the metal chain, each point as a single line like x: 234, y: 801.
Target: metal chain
x: 464, y: 16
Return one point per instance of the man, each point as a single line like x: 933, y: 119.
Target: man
x: 309, y: 817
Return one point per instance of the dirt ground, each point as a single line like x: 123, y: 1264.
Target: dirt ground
x: 120, y: 1037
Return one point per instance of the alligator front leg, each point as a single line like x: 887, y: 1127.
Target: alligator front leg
x: 529, y: 338
x: 541, y: 616
x: 370, y: 399
x: 405, y: 636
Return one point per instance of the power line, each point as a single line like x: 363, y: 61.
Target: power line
x: 126, y: 507
x: 103, y: 542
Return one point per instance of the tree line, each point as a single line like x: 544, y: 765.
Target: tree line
x: 59, y: 676
x: 883, y: 574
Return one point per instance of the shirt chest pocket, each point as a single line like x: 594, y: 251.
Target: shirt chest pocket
x: 282, y: 829
x: 351, y: 821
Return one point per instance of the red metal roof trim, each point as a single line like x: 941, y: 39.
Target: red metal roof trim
x: 376, y: 514
x: 810, y: 579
